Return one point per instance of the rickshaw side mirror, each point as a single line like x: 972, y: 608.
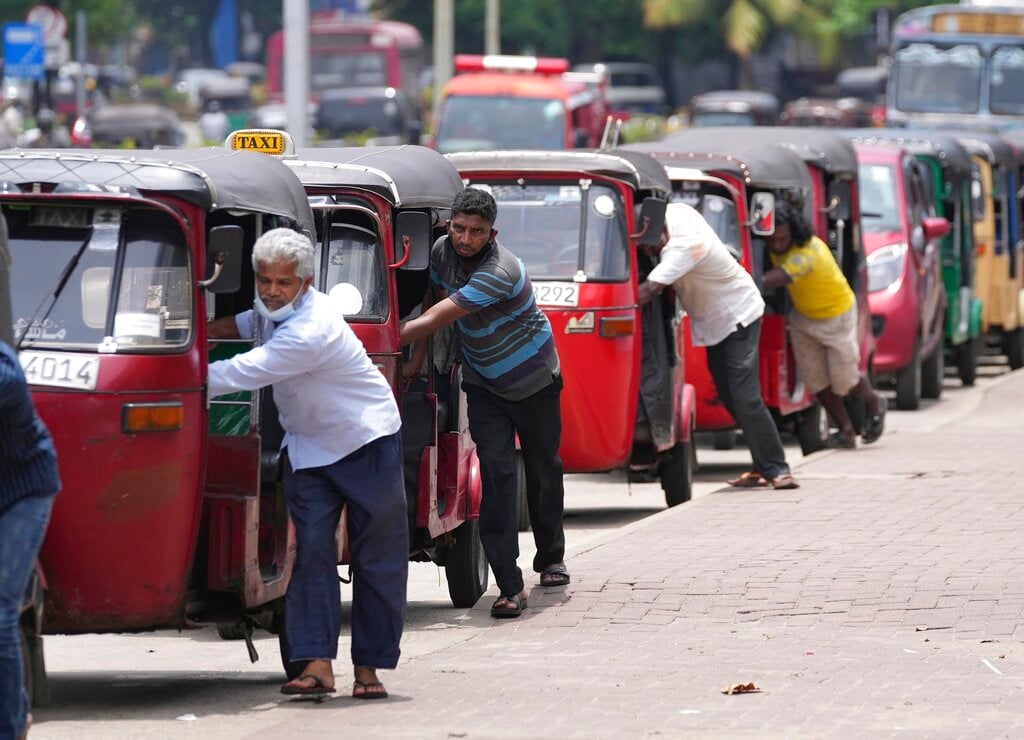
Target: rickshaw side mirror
x: 762, y: 214
x: 838, y: 207
x: 412, y: 240
x: 651, y: 223
x: 935, y: 227
x: 224, y: 248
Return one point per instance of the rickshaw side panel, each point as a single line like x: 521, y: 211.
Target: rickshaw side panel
x: 123, y: 490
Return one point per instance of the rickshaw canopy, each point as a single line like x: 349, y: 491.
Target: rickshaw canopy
x: 635, y: 168
x: 214, y: 179
x: 943, y: 146
x: 408, y: 176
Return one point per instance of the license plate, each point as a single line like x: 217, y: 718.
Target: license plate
x: 557, y: 294
x: 61, y: 370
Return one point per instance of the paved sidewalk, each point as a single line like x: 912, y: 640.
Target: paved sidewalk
x: 884, y: 597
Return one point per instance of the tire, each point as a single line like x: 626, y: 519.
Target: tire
x: 812, y: 428
x: 1013, y: 343
x: 724, y: 439
x: 967, y: 361
x: 292, y: 669
x: 231, y: 631
x: 933, y: 372
x: 676, y: 473
x: 908, y: 383
x: 465, y: 566
x: 522, y: 505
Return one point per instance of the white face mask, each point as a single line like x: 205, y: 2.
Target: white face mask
x: 279, y: 314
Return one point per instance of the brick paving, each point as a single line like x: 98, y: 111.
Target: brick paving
x: 885, y: 597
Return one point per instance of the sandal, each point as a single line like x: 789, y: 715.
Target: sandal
x: 518, y: 602
x: 554, y: 575
x: 784, y: 482
x: 362, y: 690
x: 753, y: 479
x: 319, y: 688
x: 875, y: 424
x: 839, y: 441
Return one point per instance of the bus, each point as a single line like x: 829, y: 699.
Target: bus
x: 958, y: 65
x: 348, y: 52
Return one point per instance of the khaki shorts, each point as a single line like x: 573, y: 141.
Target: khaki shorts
x: 827, y: 351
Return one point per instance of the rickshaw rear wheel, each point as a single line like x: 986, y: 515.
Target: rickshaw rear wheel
x: 967, y: 361
x: 908, y: 383
x: 522, y: 505
x: 724, y: 439
x: 34, y: 668
x: 1013, y: 345
x: 932, y: 373
x: 812, y: 428
x: 676, y: 473
x: 465, y: 566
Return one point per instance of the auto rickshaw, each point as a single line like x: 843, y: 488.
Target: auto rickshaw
x: 128, y: 126
x: 734, y: 108
x: 377, y: 212
x: 827, y: 112
x: 576, y: 220
x: 735, y: 187
x: 1000, y: 272
x: 168, y: 517
x: 951, y: 185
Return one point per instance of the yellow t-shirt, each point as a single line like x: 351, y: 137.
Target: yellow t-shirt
x: 817, y: 286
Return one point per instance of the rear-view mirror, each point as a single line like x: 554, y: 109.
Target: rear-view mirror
x: 412, y: 240
x: 935, y: 228
x: 762, y: 214
x: 652, y: 222
x: 224, y: 248
x: 839, y: 208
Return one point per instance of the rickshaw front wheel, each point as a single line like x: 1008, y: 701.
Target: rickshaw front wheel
x: 676, y: 473
x: 465, y: 566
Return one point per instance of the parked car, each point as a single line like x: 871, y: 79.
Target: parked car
x: 379, y: 116
x: 828, y: 112
x: 734, y: 108
x: 633, y: 87
x: 128, y: 126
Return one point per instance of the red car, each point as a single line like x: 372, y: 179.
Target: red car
x: 905, y: 292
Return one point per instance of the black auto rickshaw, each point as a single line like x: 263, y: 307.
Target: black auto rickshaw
x: 734, y: 108
x: 128, y: 126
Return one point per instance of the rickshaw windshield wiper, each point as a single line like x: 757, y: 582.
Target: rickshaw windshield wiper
x: 62, y: 282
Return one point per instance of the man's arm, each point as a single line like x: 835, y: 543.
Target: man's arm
x: 649, y: 290
x: 418, y: 355
x: 437, y: 316
x: 223, y: 328
x: 775, y: 278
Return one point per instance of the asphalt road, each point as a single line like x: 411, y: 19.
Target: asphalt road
x: 165, y: 682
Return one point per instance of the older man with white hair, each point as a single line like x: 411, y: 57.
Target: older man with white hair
x: 342, y: 440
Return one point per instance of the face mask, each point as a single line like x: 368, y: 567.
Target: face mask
x: 279, y: 314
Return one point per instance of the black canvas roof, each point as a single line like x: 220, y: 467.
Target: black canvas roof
x: 212, y: 178
x: 820, y: 147
x: 637, y: 169
x: 940, y: 145
x: 760, y: 166
x: 409, y: 176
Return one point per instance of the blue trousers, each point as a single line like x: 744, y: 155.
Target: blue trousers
x: 22, y: 527
x: 370, y: 482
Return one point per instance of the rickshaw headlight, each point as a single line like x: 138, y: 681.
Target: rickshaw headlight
x: 152, y: 417
x: 885, y: 267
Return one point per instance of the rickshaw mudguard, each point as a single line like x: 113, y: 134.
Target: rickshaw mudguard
x: 129, y: 502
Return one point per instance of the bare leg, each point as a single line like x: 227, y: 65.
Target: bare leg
x: 866, y: 393
x: 834, y: 404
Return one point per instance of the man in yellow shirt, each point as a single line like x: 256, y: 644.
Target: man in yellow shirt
x: 823, y: 324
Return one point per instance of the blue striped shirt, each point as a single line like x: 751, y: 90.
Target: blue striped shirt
x: 28, y: 463
x: 506, y: 341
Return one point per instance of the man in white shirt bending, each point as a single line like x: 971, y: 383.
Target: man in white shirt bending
x: 725, y: 309
x: 341, y: 427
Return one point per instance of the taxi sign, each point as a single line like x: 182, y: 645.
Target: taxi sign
x: 263, y: 140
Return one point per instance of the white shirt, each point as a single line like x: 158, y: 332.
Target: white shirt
x: 331, y: 398
x: 712, y: 286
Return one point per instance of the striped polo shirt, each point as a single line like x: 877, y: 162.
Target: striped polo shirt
x: 506, y: 341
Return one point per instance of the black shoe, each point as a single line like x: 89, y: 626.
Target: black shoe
x: 839, y: 441
x: 875, y: 424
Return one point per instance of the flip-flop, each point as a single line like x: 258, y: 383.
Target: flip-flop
x: 505, y: 613
x: 555, y: 575
x: 366, y: 693
x: 783, y: 482
x: 752, y: 479
x: 318, y: 688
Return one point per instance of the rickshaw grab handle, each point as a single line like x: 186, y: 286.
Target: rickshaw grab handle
x: 831, y: 205
x: 407, y: 246
x: 639, y: 234
x: 218, y: 267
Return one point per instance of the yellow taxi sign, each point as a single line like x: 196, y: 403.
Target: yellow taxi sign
x: 263, y: 140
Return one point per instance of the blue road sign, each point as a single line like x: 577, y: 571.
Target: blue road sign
x: 23, y: 51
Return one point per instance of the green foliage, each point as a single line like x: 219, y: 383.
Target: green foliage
x: 642, y: 128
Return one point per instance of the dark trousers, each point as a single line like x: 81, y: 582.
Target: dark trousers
x: 493, y: 424
x: 733, y: 365
x: 370, y: 482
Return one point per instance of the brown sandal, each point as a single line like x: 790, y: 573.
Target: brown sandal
x: 784, y: 482
x: 752, y: 479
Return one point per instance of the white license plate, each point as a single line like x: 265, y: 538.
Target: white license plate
x: 61, y: 370
x: 557, y: 294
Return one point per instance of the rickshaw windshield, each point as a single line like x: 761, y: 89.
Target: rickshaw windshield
x: 351, y: 266
x: 541, y: 225
x: 934, y: 80
x: 138, y: 255
x: 474, y: 122
x: 718, y: 210
x: 723, y: 118
x: 880, y: 208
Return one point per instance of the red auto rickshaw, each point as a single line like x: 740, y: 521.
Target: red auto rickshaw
x: 735, y: 187
x: 576, y: 220
x: 166, y: 519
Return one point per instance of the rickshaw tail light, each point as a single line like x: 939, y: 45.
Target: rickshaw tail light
x: 617, y: 326
x: 152, y: 417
